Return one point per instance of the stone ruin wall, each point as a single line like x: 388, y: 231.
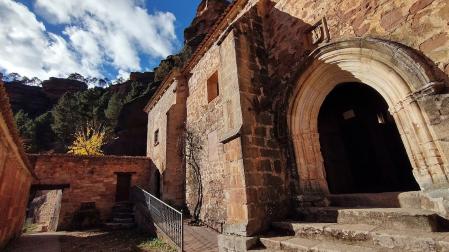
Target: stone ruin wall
x: 90, y: 179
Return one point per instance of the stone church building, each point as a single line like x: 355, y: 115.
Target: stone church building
x: 303, y: 104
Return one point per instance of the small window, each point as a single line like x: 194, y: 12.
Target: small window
x: 156, y: 137
x: 212, y: 87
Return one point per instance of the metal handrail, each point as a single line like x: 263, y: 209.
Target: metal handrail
x: 166, y: 218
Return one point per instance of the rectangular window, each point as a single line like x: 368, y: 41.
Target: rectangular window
x: 212, y: 87
x: 156, y: 137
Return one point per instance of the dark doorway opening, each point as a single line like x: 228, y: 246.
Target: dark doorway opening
x: 155, y: 185
x: 123, y: 187
x: 361, y: 146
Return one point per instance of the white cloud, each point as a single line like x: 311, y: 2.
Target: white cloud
x: 96, y: 33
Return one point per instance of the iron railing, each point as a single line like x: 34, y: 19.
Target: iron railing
x: 166, y: 218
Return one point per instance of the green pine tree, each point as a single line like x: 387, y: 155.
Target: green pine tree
x: 27, y: 130
x: 112, y: 112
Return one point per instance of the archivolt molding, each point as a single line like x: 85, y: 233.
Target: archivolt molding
x: 397, y: 73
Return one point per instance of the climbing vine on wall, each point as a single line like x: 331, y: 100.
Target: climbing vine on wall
x: 191, y: 149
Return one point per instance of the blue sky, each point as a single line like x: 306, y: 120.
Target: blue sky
x: 100, y: 38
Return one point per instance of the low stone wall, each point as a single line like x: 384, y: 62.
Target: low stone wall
x: 89, y: 179
x: 44, y: 209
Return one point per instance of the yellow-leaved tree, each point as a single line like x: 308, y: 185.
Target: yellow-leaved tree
x: 88, y: 141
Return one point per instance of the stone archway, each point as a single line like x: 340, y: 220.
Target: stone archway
x: 397, y: 75
x: 361, y: 146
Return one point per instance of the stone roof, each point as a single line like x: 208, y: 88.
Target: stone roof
x: 161, y: 89
x: 5, y: 110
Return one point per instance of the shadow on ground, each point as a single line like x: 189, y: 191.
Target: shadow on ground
x: 89, y: 241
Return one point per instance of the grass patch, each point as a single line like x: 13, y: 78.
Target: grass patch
x: 31, y: 228
x: 155, y: 244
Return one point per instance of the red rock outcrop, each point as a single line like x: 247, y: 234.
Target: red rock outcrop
x: 207, y: 13
x: 54, y: 88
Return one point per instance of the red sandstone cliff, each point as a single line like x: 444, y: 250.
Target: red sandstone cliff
x: 38, y: 100
x: 207, y: 13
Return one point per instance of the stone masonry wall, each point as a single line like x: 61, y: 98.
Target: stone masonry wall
x: 15, y: 175
x: 90, y: 179
x: 205, y: 121
x: 44, y: 208
x: 15, y: 181
x: 264, y: 156
x: 168, y: 117
x: 157, y: 120
x: 421, y: 25
x: 269, y: 67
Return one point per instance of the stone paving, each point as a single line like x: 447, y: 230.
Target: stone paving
x: 200, y: 238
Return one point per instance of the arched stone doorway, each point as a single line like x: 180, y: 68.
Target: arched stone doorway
x: 397, y: 75
x: 361, y: 146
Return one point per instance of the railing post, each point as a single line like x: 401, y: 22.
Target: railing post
x: 166, y: 218
x: 182, y: 232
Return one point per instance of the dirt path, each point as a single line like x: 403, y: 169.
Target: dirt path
x: 196, y: 238
x: 40, y: 242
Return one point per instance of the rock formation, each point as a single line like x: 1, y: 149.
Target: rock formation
x: 54, y: 88
x: 32, y: 100
x: 35, y: 100
x: 207, y: 13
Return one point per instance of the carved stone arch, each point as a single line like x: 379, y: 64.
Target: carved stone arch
x: 399, y: 74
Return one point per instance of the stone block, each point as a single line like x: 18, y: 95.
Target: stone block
x: 397, y: 218
x: 235, y: 228
x: 235, y: 243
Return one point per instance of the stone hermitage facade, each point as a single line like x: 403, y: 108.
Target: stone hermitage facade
x: 264, y: 149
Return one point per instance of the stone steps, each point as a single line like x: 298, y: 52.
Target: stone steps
x: 359, y: 229
x: 119, y: 226
x: 384, y: 200
x: 122, y: 216
x: 363, y: 234
x: 398, y: 218
x: 305, y: 244
x: 395, y: 218
x: 123, y: 220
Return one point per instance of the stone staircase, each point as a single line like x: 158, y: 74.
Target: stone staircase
x: 122, y: 216
x: 357, y: 228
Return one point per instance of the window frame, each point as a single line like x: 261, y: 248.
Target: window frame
x: 212, y: 87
